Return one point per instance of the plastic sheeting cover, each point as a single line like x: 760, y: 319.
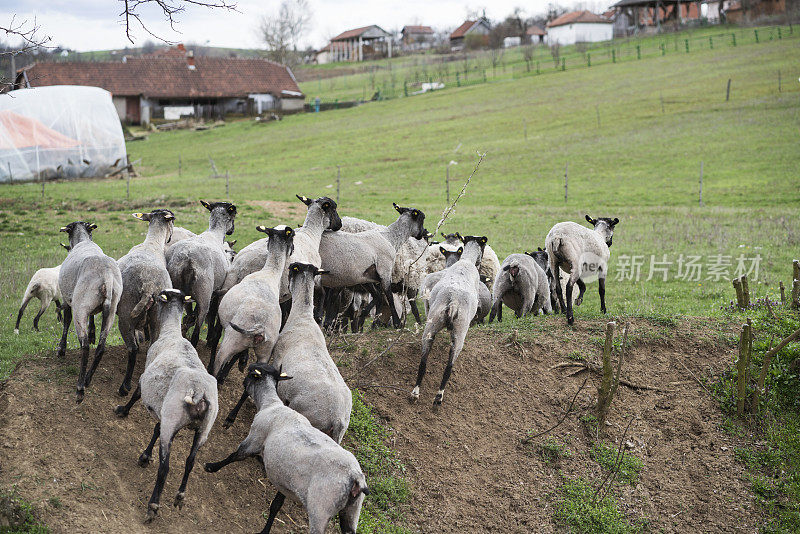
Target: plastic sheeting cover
x: 59, y: 131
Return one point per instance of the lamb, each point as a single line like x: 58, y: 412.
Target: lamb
x: 43, y: 286
x: 198, y: 265
x: 318, y: 390
x: 300, y: 461
x: 90, y: 283
x: 522, y: 286
x: 583, y: 253
x: 177, y: 391
x: 453, y: 304
x: 490, y: 265
x: 144, y: 276
x: 250, y: 312
x: 368, y: 257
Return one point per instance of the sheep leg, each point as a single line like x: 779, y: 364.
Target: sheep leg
x: 582, y: 288
x: 223, y: 373
x: 274, y: 508
x: 249, y: 447
x: 122, y: 411
x: 368, y: 308
x: 387, y: 290
x: 243, y: 357
x: 187, y: 470
x: 62, y: 345
x: 457, y: 336
x: 286, y: 308
x: 319, y: 299
x: 45, y: 302
x: 144, y: 458
x: 427, y: 343
x: 570, y: 285
x: 213, y: 320
x: 231, y: 418
x: 495, y: 311
x: 22, y: 307
x: 129, y: 337
x: 81, y: 319
x: 105, y: 328
x: 58, y: 310
x: 415, y: 310
x: 91, y: 330
x: 232, y: 344
x: 318, y: 517
x: 348, y: 517
x: 560, y: 293
x: 601, y: 283
x: 202, y: 293
x: 163, y: 469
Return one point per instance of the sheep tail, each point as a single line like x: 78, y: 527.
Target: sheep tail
x: 143, y: 305
x: 196, y: 404
x: 186, y: 278
x: 358, y: 486
x: 256, y: 332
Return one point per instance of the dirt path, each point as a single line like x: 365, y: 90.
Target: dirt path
x: 466, y: 466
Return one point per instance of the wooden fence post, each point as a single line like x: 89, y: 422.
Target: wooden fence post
x: 745, y: 344
x: 745, y: 292
x: 737, y: 285
x: 604, y: 391
x: 783, y: 293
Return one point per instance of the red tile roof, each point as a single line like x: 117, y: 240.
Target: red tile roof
x: 417, y: 29
x: 350, y: 34
x: 577, y: 17
x: 169, y: 76
x: 535, y: 30
x: 463, y: 29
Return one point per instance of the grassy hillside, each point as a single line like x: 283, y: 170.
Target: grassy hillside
x: 626, y: 159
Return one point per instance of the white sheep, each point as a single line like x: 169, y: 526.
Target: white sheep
x: 303, y: 463
x: 43, y: 286
x: 177, y: 391
x: 522, y: 285
x: 583, y: 253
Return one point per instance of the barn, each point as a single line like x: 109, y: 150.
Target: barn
x: 478, y: 28
x: 579, y: 27
x: 170, y: 84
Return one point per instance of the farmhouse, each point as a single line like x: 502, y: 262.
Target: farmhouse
x: 535, y: 34
x: 369, y: 42
x: 417, y: 37
x: 479, y: 28
x: 175, y: 83
x: 579, y: 27
x: 632, y: 16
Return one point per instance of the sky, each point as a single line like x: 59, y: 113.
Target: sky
x: 96, y: 24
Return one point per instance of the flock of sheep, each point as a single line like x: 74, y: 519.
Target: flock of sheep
x: 275, y: 296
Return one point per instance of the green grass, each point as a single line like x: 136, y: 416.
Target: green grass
x: 366, y: 437
x: 551, y: 450
x: 17, y: 516
x: 629, y: 466
x: 581, y: 512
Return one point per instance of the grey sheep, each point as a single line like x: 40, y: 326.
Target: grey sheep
x: 179, y: 233
x: 303, y: 463
x: 453, y: 304
x: 318, y: 390
x: 490, y: 265
x: 451, y: 256
x: 44, y: 286
x: 541, y: 258
x: 353, y: 225
x: 368, y: 257
x: 522, y: 285
x: 144, y: 276
x: 90, y: 283
x: 198, y: 265
x: 583, y: 253
x: 177, y: 391
x: 250, y: 311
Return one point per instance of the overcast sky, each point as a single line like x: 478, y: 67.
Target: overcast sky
x: 96, y: 24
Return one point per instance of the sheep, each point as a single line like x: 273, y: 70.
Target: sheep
x: 490, y: 265
x: 541, y: 258
x: 144, y: 275
x: 198, y: 265
x: 247, y: 261
x: 522, y: 286
x: 303, y: 463
x: 484, y: 301
x: 583, y: 253
x: 250, y: 312
x: 43, y: 286
x: 353, y: 225
x: 179, y: 233
x: 453, y: 304
x: 177, y: 391
x: 90, y: 283
x: 368, y: 257
x: 318, y: 391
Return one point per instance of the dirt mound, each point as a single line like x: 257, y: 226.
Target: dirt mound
x: 466, y: 466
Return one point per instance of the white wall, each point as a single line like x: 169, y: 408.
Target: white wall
x: 292, y: 104
x: 119, y: 105
x: 580, y: 32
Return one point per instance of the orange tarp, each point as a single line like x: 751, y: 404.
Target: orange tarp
x: 17, y: 131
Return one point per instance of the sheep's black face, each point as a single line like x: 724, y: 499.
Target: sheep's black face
x: 513, y: 270
x: 540, y: 257
x: 452, y: 239
x: 417, y: 220
x: 78, y: 230
x: 170, y: 296
x: 298, y: 268
x: 224, y: 211
x: 329, y: 207
x: 451, y: 256
x: 280, y: 235
x: 604, y: 226
x: 257, y: 372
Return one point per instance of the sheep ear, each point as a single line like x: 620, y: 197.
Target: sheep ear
x: 232, y: 243
x: 283, y: 376
x: 65, y: 246
x: 92, y: 227
x: 206, y: 205
x: 460, y: 250
x: 539, y: 249
x: 257, y: 372
x: 262, y: 229
x: 305, y: 200
x: 322, y: 271
x: 397, y: 207
x: 615, y: 222
x: 139, y: 216
x: 443, y: 235
x: 169, y: 217
x: 590, y: 220
x: 483, y: 240
x: 188, y: 299
x: 163, y: 297
x: 443, y: 250
x: 288, y: 232
x: 459, y: 237
x: 64, y: 229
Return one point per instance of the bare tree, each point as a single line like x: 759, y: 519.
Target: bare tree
x: 169, y: 9
x: 281, y: 31
x: 527, y: 55
x: 28, y: 35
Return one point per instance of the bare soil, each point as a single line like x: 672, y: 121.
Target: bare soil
x: 465, y: 462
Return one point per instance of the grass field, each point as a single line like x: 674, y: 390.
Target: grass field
x: 633, y: 135
x: 626, y: 158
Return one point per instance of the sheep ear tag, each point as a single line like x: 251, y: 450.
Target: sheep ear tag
x: 206, y: 205
x: 283, y: 375
x: 187, y: 298
x: 92, y: 226
x: 256, y: 372
x: 163, y: 298
x: 460, y: 250
x: 396, y: 207
x: 483, y: 240
x: 64, y: 229
x: 139, y: 216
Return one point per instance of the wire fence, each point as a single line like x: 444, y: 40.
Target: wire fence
x: 537, y: 60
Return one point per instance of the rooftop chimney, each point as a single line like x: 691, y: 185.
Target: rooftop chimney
x: 190, y: 59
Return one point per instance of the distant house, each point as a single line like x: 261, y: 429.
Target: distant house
x: 359, y: 44
x: 579, y: 27
x: 417, y: 37
x: 323, y: 55
x: 174, y: 82
x: 637, y: 16
x: 535, y: 34
x: 480, y: 27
